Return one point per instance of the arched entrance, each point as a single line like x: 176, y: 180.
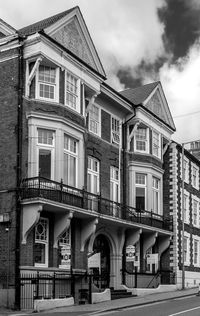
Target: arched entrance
x: 101, y: 246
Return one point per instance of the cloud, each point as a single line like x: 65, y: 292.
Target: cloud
x: 181, y: 83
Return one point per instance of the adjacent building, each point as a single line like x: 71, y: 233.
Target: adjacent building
x: 181, y: 180
x: 81, y: 165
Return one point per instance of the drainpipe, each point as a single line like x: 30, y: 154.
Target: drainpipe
x: 19, y: 174
x: 124, y: 146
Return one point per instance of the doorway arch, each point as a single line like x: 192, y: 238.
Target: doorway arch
x: 101, y: 245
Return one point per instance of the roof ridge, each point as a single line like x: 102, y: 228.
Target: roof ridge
x: 39, y: 25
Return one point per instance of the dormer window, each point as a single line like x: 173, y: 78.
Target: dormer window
x: 156, y: 144
x: 47, y: 79
x: 72, y: 91
x: 141, y: 139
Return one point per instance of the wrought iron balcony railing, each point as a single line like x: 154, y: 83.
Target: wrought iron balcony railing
x: 59, y: 192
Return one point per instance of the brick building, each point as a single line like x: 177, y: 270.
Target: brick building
x: 81, y: 165
x: 175, y: 191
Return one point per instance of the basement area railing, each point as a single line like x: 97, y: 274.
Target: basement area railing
x: 39, y: 187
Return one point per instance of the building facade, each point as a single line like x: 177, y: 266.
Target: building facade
x: 182, y: 184
x: 81, y: 164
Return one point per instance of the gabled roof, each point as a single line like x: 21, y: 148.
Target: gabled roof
x: 140, y: 94
x: 6, y: 29
x: 69, y: 29
x: 151, y: 97
x: 41, y: 25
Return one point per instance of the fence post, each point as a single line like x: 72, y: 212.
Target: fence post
x: 136, y: 277
x: 39, y: 184
x: 90, y: 289
x: 61, y: 190
x: 54, y: 285
x: 72, y: 284
x: 37, y: 285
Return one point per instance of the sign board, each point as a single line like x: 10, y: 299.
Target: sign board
x: 152, y: 258
x: 95, y: 261
x: 130, y: 253
x: 66, y: 257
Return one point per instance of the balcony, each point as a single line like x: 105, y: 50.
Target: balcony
x: 39, y: 187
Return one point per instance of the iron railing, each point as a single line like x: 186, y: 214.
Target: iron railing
x: 59, y: 192
x: 147, y: 280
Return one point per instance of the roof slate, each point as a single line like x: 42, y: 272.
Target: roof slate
x: 140, y: 94
x: 39, y: 26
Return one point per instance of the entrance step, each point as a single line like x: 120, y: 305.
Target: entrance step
x: 117, y: 294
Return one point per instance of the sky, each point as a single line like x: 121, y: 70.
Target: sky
x: 138, y: 42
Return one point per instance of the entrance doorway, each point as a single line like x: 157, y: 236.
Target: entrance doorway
x: 101, y: 247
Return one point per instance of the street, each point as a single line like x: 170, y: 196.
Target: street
x: 187, y: 306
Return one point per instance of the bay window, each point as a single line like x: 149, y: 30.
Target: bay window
x: 156, y: 146
x: 47, y: 79
x: 141, y: 139
x: 156, y: 194
x: 72, y: 91
x: 70, y: 160
x: 140, y: 191
x: 45, y: 146
x: 41, y: 244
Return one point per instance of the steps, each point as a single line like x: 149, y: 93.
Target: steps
x: 117, y: 294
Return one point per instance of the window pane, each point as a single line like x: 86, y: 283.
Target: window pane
x: 45, y: 163
x: 45, y: 136
x: 140, y: 198
x: 140, y: 178
x: 39, y: 253
x: 69, y: 170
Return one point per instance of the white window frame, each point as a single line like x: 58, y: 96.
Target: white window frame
x: 52, y: 84
x: 49, y: 147
x: 75, y: 94
x: 71, y: 153
x: 196, y: 260
x: 44, y: 242
x: 140, y: 185
x: 186, y: 205
x: 156, y: 147
x: 115, y: 130
x: 145, y: 140
x: 94, y: 173
x: 94, y: 121
x: 187, y: 249
x: 195, y: 179
x: 186, y: 169
x: 195, y: 211
x: 114, y: 184
x: 156, y: 194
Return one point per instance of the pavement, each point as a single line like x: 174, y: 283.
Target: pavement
x: 116, y: 304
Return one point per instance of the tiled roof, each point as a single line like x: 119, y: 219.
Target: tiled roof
x: 140, y: 94
x: 38, y: 26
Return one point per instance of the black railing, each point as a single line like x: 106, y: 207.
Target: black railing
x: 148, y: 280
x: 59, y: 192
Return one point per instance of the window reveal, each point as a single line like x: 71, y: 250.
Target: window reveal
x: 70, y: 160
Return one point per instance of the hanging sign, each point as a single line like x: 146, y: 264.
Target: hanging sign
x: 130, y: 253
x: 66, y: 257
